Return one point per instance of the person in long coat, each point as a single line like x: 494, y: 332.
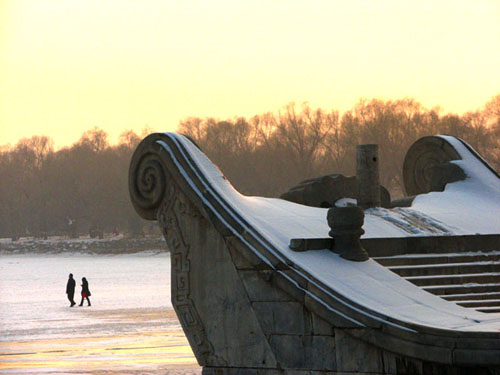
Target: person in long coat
x: 85, y: 291
x: 70, y: 290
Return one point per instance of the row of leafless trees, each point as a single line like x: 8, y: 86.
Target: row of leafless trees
x: 46, y: 192
x: 267, y: 154
x: 43, y: 191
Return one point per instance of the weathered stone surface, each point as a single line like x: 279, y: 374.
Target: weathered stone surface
x: 259, y: 287
x: 239, y: 260
x: 353, y: 355
x: 240, y: 371
x: 334, y: 318
x: 346, y: 228
x: 402, y: 202
x: 281, y: 317
x: 465, y: 357
x: 444, y: 173
x: 389, y: 361
x: 405, y: 348
x: 214, y: 295
x: 253, y: 371
x: 326, y: 190
x: 297, y: 277
x: 378, y: 247
x: 419, y: 161
x: 320, y: 326
x: 367, y: 162
x: 304, y: 352
x: 280, y: 281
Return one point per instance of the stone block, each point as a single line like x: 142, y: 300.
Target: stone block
x: 378, y: 247
x: 259, y: 287
x: 465, y: 357
x: 429, y: 351
x: 242, y: 257
x: 405, y: 365
x: 304, y: 352
x: 320, y: 351
x: 320, y: 326
x: 336, y: 319
x: 281, y: 317
x: 297, y: 372
x: 296, y: 276
x: 354, y: 355
x: 389, y: 362
x: 279, y: 280
x: 240, y: 371
x: 239, y: 261
x: 444, y: 173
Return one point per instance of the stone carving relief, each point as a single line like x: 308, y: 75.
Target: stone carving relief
x: 175, y: 205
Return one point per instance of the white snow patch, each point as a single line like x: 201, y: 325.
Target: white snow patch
x: 346, y: 202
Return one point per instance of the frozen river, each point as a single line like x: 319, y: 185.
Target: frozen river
x: 130, y: 327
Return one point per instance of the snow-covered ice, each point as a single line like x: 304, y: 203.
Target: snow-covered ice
x: 130, y: 326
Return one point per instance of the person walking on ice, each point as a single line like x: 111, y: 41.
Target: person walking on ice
x: 70, y: 290
x: 85, y: 291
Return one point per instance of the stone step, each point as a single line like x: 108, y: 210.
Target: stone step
x: 472, y: 296
x: 479, y: 303
x: 479, y: 278
x: 385, y: 247
x: 417, y: 259
x: 491, y: 309
x: 447, y: 269
x: 471, y: 288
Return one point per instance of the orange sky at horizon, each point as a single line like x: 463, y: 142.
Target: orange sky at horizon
x: 67, y: 66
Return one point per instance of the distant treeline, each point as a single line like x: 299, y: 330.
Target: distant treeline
x: 267, y: 154
x: 47, y: 192
x: 43, y: 191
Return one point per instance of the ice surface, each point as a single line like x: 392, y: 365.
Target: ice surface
x: 32, y: 289
x: 130, y: 326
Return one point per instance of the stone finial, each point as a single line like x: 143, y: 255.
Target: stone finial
x: 346, y: 229
x: 367, y: 162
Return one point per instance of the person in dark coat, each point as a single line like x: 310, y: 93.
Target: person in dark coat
x: 85, y: 291
x: 70, y: 290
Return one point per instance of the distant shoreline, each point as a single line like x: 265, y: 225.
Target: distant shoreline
x: 86, y: 245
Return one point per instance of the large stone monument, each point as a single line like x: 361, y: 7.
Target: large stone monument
x: 266, y: 286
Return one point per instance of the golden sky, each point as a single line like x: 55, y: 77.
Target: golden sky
x: 69, y: 65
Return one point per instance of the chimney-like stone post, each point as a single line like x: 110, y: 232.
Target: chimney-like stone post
x: 368, y: 176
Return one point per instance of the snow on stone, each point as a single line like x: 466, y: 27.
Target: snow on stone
x: 465, y: 207
x: 471, y: 206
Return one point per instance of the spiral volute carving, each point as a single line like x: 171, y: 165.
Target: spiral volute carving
x: 147, y: 179
x: 420, y: 159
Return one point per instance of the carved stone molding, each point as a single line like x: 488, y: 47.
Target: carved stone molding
x: 176, y: 205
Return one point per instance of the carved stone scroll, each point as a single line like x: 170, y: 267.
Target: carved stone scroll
x: 425, y: 162
x: 147, y: 178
